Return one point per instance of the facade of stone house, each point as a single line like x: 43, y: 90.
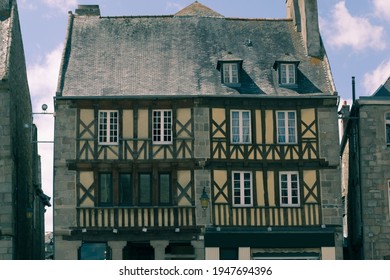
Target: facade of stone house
x: 155, y: 112
x: 365, y: 148
x: 22, y: 200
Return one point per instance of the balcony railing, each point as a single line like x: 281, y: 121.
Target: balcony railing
x: 136, y: 217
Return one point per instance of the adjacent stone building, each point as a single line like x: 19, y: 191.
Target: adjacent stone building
x: 22, y: 201
x: 365, y: 150
x: 196, y: 136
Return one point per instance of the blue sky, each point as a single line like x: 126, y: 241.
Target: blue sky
x: 356, y: 36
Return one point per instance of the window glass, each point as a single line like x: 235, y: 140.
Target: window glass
x: 162, y: 126
x: 240, y: 127
x: 289, y: 189
x: 108, y: 127
x: 165, y: 188
x: 287, y: 73
x: 242, y: 188
x: 105, y: 189
x: 125, y: 189
x: 287, y: 131
x: 145, y: 189
x: 94, y: 251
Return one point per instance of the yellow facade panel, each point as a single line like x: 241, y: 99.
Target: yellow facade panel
x: 183, y: 116
x: 269, y: 127
x: 259, y: 132
x: 128, y: 121
x: 143, y: 120
x: 271, y: 188
x: 87, y: 117
x: 218, y: 115
x: 308, y: 116
x: 260, y: 188
x: 310, y: 178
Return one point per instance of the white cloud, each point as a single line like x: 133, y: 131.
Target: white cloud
x: 345, y: 30
x: 382, y: 8
x: 27, y: 5
x: 372, y: 81
x: 174, y: 6
x: 42, y: 78
x: 62, y: 5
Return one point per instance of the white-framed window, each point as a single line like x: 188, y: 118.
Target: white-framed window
x: 162, y: 127
x: 230, y: 73
x: 242, y: 188
x: 286, y: 127
x: 287, y: 74
x: 240, y: 127
x: 108, y: 127
x: 387, y: 128
x: 289, y: 188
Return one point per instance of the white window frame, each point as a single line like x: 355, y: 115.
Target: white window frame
x: 109, y: 134
x: 287, y: 74
x: 241, y: 124
x: 387, y: 129
x: 290, y: 189
x: 230, y: 75
x: 242, y: 189
x: 162, y: 132
x: 286, y: 128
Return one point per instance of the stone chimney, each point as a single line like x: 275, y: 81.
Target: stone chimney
x: 304, y: 13
x: 88, y: 10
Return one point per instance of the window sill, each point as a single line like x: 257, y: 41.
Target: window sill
x: 233, y: 85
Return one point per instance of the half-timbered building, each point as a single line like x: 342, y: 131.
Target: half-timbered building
x: 154, y: 113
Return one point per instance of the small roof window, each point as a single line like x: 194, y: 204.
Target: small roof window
x: 287, y: 70
x: 230, y: 67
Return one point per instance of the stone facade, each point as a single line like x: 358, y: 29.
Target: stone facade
x: 368, y: 177
x: 21, y: 196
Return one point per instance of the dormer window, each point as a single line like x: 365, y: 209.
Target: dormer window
x: 287, y: 70
x: 230, y: 73
x: 230, y: 68
x: 287, y: 74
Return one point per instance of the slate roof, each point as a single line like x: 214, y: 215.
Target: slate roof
x: 178, y: 55
x: 384, y: 90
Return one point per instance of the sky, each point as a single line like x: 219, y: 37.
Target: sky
x: 356, y: 35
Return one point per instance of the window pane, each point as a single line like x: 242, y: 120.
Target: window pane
x: 283, y: 74
x: 145, y: 189
x: 105, y: 189
x: 281, y: 127
x: 165, y: 188
x: 102, y: 127
x: 235, y: 127
x: 125, y: 189
x: 113, y: 127
x: 226, y: 74
x: 156, y: 126
x: 388, y: 133
x: 291, y: 74
x: 245, y: 127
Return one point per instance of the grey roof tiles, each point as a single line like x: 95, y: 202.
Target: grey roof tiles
x: 178, y: 55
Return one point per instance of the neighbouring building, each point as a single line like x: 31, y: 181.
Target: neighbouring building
x: 155, y: 114
x: 22, y: 201
x: 365, y: 152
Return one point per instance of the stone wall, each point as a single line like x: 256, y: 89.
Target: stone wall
x: 331, y: 197
x: 375, y: 162
x: 64, y: 185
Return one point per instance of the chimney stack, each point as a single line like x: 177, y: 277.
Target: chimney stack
x: 304, y: 14
x: 88, y: 10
